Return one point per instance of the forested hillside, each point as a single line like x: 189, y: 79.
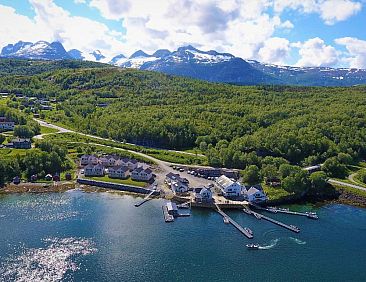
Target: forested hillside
x: 31, y: 67
x: 233, y: 125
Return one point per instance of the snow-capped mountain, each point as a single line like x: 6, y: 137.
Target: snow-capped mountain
x: 191, y: 62
x: 39, y: 50
x: 312, y: 76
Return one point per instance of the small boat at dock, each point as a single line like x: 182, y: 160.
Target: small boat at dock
x: 252, y: 246
x: 226, y: 220
x: 248, y: 230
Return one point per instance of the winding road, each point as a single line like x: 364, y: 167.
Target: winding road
x: 163, y: 166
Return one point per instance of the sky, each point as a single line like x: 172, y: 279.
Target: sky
x: 287, y: 32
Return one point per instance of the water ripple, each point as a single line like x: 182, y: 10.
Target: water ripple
x: 50, y: 263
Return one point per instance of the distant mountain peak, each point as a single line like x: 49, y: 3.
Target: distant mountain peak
x: 161, y: 53
x: 139, y: 54
x: 97, y: 55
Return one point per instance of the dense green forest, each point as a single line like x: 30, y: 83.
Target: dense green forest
x: 31, y: 67
x: 235, y: 126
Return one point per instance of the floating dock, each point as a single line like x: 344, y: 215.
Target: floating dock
x: 310, y: 215
x: 261, y: 216
x: 167, y: 217
x: 147, y: 198
x: 234, y: 223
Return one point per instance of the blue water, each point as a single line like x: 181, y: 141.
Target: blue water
x: 78, y: 236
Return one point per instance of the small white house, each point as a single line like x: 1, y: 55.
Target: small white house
x: 131, y: 163
x: 202, y: 194
x: 178, y: 187
x: 255, y: 195
x: 94, y: 170
x: 121, y: 172
x: 141, y: 174
x: 228, y: 187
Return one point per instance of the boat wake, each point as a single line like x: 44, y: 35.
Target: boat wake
x: 50, y: 263
x: 298, y: 241
x: 271, y: 245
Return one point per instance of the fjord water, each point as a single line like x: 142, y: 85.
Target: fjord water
x: 78, y: 236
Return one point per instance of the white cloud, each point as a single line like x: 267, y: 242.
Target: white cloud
x: 356, y: 57
x: 275, y: 50
x: 315, y: 53
x: 80, y: 1
x: 53, y: 23
x: 331, y: 11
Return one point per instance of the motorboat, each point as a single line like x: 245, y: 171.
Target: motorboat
x: 252, y: 246
x: 226, y: 220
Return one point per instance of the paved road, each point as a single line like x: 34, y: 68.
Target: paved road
x: 346, y: 184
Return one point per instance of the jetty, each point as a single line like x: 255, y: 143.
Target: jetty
x: 147, y: 198
x: 261, y: 216
x: 311, y: 215
x: 244, y: 231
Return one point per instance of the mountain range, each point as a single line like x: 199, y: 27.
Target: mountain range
x: 191, y: 62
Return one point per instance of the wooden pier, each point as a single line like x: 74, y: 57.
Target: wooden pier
x: 167, y: 217
x: 277, y: 210
x: 234, y: 223
x: 147, y: 198
x: 261, y: 216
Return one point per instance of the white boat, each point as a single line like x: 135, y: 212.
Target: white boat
x: 226, y: 220
x: 252, y: 246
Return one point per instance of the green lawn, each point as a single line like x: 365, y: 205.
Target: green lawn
x: 47, y: 130
x: 127, y: 181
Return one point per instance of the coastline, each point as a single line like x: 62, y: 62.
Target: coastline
x: 341, y: 197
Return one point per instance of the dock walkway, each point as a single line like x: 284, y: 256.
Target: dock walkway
x: 234, y: 223
x: 147, y: 198
x: 277, y: 210
x: 261, y: 216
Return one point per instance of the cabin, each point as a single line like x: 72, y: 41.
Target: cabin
x: 48, y: 177
x: 141, y: 174
x: 228, y: 187
x: 21, y: 143
x: 121, y: 172
x: 255, y: 194
x: 94, y: 170
x: 202, y: 195
x: 6, y: 125
x: 179, y: 187
x: 56, y: 177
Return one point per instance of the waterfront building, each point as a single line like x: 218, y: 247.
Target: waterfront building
x: 228, y: 187
x: 121, y: 172
x: 255, y: 194
x: 141, y: 174
x: 202, y: 194
x: 94, y: 170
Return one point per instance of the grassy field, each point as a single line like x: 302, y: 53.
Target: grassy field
x: 127, y: 181
x: 47, y: 130
x: 168, y: 156
x: 350, y: 190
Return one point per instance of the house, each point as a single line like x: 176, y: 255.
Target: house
x: 175, y: 177
x: 131, y: 163
x: 94, y: 170
x: 46, y: 107
x: 178, y: 187
x: 255, y: 195
x: 56, y: 177
x: 228, y: 187
x: 68, y: 176
x: 118, y: 172
x: 103, y: 161
x: 171, y: 177
x: 202, y: 194
x: 88, y: 159
x: 141, y: 174
x: 6, y: 125
x: 16, y: 180
x: 21, y: 143
x: 112, y: 160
